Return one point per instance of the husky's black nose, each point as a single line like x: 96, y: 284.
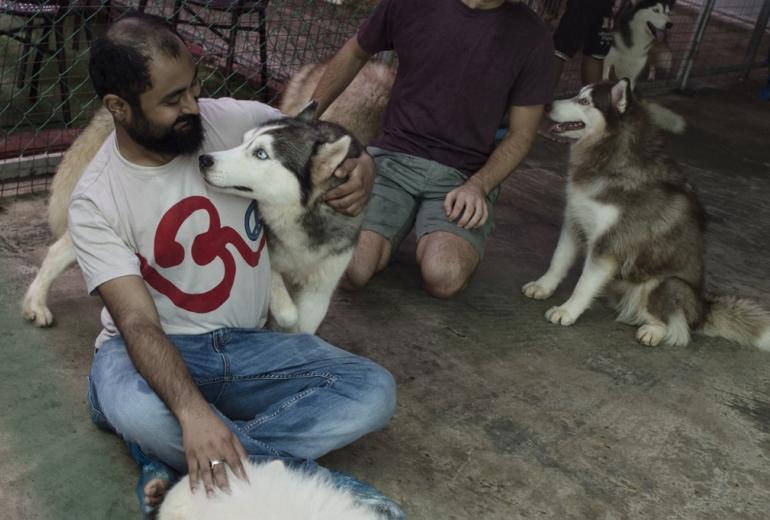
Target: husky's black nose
x: 669, y: 25
x: 205, y: 162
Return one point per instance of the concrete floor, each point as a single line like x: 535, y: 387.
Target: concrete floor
x: 501, y: 415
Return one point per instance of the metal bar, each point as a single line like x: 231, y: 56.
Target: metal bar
x: 725, y: 69
x: 756, y: 37
x: 23, y: 167
x: 686, y: 67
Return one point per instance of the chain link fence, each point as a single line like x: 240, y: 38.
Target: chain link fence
x: 711, y: 41
x: 244, y: 49
x: 248, y: 49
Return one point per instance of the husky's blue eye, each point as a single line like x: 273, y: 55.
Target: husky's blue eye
x: 261, y: 154
x: 582, y: 101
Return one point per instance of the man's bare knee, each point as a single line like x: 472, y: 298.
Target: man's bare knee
x: 356, y: 277
x: 370, y: 257
x: 447, y: 263
x: 443, y: 281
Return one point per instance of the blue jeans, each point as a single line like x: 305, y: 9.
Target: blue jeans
x: 292, y: 396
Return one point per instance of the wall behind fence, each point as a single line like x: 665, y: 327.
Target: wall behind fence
x: 45, y: 95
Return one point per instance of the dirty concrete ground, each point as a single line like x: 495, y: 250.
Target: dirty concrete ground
x: 501, y: 415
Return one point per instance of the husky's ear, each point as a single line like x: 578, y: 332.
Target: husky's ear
x: 620, y: 95
x: 329, y: 156
x: 308, y: 111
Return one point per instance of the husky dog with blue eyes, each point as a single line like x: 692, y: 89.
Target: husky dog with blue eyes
x: 634, y: 36
x: 638, y: 221
x: 287, y: 166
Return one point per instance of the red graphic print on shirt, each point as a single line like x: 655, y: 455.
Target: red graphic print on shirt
x: 206, y: 247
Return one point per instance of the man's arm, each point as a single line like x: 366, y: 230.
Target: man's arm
x: 468, y: 202
x: 205, y: 436
x: 351, y: 197
x: 339, y: 72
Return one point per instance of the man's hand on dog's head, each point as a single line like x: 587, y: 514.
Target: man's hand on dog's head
x: 210, y: 445
x: 350, y: 198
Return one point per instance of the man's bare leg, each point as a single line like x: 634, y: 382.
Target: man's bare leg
x: 370, y: 257
x: 447, y: 263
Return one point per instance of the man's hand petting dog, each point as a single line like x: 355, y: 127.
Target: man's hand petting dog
x: 351, y: 197
x: 468, y: 203
x: 209, y: 445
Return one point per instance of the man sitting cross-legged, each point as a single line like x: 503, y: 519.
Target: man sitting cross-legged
x: 183, y: 370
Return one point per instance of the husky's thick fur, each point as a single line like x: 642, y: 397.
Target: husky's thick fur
x: 359, y: 108
x: 634, y: 38
x: 273, y: 492
x: 632, y: 211
x: 287, y: 166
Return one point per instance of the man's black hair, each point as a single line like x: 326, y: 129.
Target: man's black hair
x: 120, y: 59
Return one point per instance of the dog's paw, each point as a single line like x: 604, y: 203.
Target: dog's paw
x: 560, y: 316
x: 536, y: 290
x: 36, y: 312
x: 285, y: 315
x: 650, y: 335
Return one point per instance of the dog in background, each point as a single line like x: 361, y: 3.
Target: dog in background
x: 639, y: 222
x: 272, y: 492
x: 358, y: 108
x: 634, y: 39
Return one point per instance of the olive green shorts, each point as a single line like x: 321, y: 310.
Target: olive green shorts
x: 409, y: 191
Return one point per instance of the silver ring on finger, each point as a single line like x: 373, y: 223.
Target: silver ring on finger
x: 215, y: 462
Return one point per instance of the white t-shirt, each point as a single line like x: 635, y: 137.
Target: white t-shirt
x: 202, y: 254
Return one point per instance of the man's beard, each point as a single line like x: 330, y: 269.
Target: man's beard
x: 167, y: 141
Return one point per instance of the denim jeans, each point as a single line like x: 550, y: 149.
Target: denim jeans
x: 291, y: 396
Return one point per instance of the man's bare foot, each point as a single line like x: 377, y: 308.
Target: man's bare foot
x: 155, y: 490
x: 155, y: 479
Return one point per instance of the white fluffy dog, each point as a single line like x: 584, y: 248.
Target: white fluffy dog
x: 273, y: 492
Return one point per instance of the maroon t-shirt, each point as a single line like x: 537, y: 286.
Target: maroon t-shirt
x: 458, y: 71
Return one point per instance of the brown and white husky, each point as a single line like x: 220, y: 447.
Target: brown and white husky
x: 632, y: 212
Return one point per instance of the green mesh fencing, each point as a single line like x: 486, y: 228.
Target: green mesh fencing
x: 248, y: 49
x: 245, y: 49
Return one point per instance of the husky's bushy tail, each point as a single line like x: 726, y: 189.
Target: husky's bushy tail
x: 739, y: 320
x: 664, y: 118
x: 73, y: 164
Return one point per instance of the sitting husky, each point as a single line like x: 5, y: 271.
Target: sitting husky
x: 634, y: 37
x: 359, y: 108
x: 287, y: 166
x: 273, y: 492
x: 641, y: 226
